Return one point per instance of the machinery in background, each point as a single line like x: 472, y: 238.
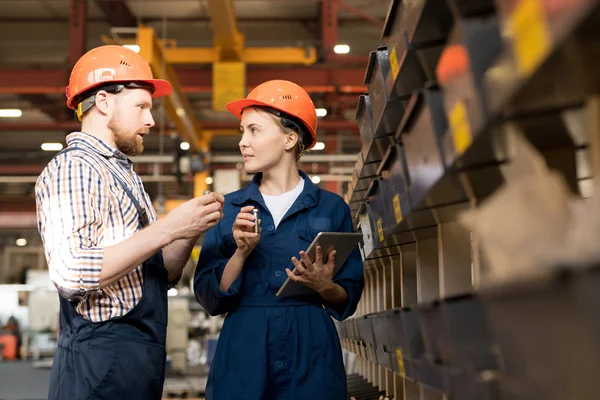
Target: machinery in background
x: 34, y: 310
x: 177, y: 334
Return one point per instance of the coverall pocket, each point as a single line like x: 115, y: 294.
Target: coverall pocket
x: 307, y: 234
x: 137, y: 373
x: 94, y: 366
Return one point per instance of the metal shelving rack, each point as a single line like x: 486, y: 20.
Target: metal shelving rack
x: 463, y: 97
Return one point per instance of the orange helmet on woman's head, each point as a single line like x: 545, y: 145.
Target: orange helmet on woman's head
x: 284, y: 96
x: 112, y: 64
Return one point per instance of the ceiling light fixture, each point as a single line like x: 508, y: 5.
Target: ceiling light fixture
x: 133, y: 47
x: 52, y: 146
x: 319, y: 146
x: 341, y: 49
x: 10, y: 113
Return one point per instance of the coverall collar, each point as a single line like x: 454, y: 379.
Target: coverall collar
x: 308, y: 198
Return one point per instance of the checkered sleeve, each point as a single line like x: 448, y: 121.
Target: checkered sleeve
x: 71, y: 205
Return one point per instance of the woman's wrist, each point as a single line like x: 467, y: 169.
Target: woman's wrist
x: 326, y: 288
x: 242, y: 253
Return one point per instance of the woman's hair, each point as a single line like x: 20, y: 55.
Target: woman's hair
x: 288, y: 124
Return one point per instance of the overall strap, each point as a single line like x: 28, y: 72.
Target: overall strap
x: 140, y: 209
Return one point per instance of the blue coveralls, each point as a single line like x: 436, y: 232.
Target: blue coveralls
x: 272, y: 347
x: 122, y: 358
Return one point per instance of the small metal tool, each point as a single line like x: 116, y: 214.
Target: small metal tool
x: 255, y: 213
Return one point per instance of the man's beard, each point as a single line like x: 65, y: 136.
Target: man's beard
x: 126, y: 143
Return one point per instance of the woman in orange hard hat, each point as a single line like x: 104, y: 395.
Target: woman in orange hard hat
x: 110, y: 259
x: 273, y: 347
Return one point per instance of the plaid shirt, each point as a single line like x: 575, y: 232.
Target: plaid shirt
x: 81, y: 209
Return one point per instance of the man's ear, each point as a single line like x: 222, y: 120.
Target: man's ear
x: 104, y: 102
x: 291, y: 140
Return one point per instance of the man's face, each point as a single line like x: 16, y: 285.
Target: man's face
x: 131, y: 120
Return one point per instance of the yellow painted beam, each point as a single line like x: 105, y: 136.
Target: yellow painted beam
x: 177, y: 106
x: 200, y: 184
x: 280, y: 55
x: 191, y: 55
x: 252, y: 55
x: 229, y: 83
x: 228, y: 41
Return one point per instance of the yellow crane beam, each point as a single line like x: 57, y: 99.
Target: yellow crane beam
x: 177, y: 105
x: 227, y: 39
x: 251, y: 55
x: 229, y: 71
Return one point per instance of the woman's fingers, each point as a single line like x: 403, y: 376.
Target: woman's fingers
x: 246, y: 235
x: 245, y: 217
x: 305, y: 260
x: 300, y: 269
x: 243, y: 222
x: 331, y: 258
x: 247, y: 209
x: 319, y: 255
x: 294, y: 277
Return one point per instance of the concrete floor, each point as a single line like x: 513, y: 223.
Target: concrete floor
x: 20, y: 380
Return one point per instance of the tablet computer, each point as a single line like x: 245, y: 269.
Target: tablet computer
x: 342, y: 242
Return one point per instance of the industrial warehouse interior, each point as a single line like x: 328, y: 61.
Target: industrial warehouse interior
x: 462, y: 135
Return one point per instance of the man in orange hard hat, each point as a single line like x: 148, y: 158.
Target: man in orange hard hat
x: 110, y: 259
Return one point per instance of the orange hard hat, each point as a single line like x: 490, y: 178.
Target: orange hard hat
x: 111, y: 64
x: 284, y: 96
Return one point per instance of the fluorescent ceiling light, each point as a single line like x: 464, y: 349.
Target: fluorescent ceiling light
x: 341, y: 49
x: 52, y: 146
x: 184, y: 146
x: 321, y: 112
x: 10, y: 113
x: 319, y: 146
x: 316, y: 179
x: 21, y: 242
x: 209, y: 180
x: 133, y: 47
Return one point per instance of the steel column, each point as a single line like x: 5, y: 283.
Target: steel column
x: 329, y: 26
x: 227, y: 38
x: 77, y: 30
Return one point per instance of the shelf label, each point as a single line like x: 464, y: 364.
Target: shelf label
x: 380, y: 230
x: 461, y: 131
x: 397, y: 209
x: 400, y: 362
x: 532, y: 39
x: 394, y: 63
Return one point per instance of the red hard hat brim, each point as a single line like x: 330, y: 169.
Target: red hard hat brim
x: 161, y: 87
x: 236, y: 107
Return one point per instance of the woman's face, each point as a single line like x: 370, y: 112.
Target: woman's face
x: 263, y: 143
